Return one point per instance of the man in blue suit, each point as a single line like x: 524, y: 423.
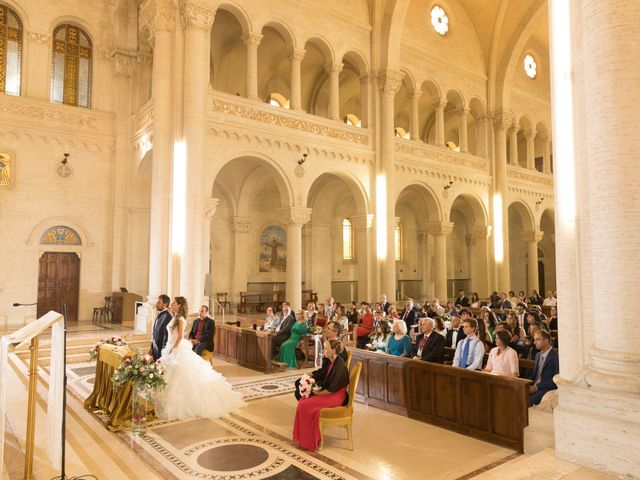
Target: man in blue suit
x: 547, y: 366
x: 159, y: 334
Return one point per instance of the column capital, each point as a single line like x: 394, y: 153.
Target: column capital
x: 157, y: 16
x: 241, y: 224
x: 335, y: 67
x: 481, y: 232
x: 440, y: 103
x: 438, y: 229
x: 363, y: 221
x: 252, y: 39
x: 530, y: 134
x: 197, y: 14
x: 463, y: 112
x: 414, y: 94
x: 389, y: 81
x: 423, y: 235
x: 296, y: 53
x: 210, y: 207
x: 294, y: 215
x: 502, y: 121
x: 364, y: 79
x: 532, y: 235
x: 124, y: 62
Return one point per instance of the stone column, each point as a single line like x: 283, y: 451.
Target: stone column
x: 333, y: 70
x: 464, y: 115
x: 296, y: 57
x: 364, y: 100
x: 440, y: 231
x: 210, y: 207
x: 415, y: 114
x: 482, y: 127
x: 423, y: 263
x: 546, y: 159
x: 502, y: 123
x: 159, y: 17
x: 241, y: 227
x: 197, y: 19
x: 294, y: 218
x: 530, y: 135
x: 439, y: 105
x: 389, y: 83
x: 252, y: 41
x: 364, y: 255
x: 480, y: 259
x: 513, y: 145
x: 532, y: 238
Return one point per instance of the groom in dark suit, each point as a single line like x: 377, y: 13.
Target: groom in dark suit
x: 159, y: 334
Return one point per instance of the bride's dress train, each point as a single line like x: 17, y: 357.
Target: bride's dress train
x: 194, y: 389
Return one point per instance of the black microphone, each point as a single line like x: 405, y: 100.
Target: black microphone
x: 24, y: 304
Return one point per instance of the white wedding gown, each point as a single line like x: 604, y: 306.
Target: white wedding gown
x: 193, y: 388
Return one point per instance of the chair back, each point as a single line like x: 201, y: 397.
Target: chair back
x: 354, y: 378
x: 348, y: 362
x: 107, y: 302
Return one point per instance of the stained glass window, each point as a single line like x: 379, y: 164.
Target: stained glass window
x: 10, y: 51
x: 72, y: 55
x: 347, y: 239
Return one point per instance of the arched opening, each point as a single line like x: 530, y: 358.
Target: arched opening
x: 540, y: 145
x: 228, y: 61
x: 274, y: 66
x: 402, y: 109
x: 315, y: 88
x: 426, y: 111
x: 525, y: 129
x: 477, y: 128
x: 455, y: 103
x: 352, y: 95
x: 520, y: 224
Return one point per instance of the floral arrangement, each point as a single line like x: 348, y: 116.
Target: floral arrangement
x: 142, y: 371
x: 306, y: 385
x: 120, y: 342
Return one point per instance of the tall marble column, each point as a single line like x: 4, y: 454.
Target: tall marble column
x: 414, y: 97
x: 532, y: 238
x: 296, y: 57
x: 388, y: 85
x: 464, y: 116
x: 502, y: 123
x: 241, y: 227
x: 423, y: 263
x: 294, y: 218
x: 159, y: 17
x: 530, y: 135
x: 252, y: 42
x: 197, y: 19
x: 482, y: 132
x: 597, y: 152
x: 210, y: 207
x: 440, y: 231
x: 513, y: 145
x: 333, y: 70
x: 439, y: 105
x: 365, y: 88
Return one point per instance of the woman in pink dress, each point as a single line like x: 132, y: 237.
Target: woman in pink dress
x: 503, y: 360
x: 332, y: 393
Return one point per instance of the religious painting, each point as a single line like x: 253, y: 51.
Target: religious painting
x: 60, y: 235
x: 273, y: 249
x: 5, y: 170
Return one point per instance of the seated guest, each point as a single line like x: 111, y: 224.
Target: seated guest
x: 534, y: 317
x: 455, y: 333
x: 521, y: 312
x: 332, y: 331
x: 392, y: 313
x: 482, y: 332
x: 283, y: 332
x: 535, y: 298
x: 504, y: 303
x: 512, y: 298
x: 399, y: 343
x: 288, y: 348
x: 429, y: 344
x: 435, y: 309
x: 550, y: 301
x: 321, y: 316
x: 311, y: 315
x: 440, y: 327
x: 503, y: 360
x: 340, y: 317
x: 272, y: 321
x: 475, y: 300
x: 202, y: 331
x: 470, y: 352
x: 489, y: 321
x: 547, y: 366
x: 364, y: 329
x: 385, y: 303
x: 330, y: 307
x: 553, y: 321
x: 381, y: 336
x: 522, y: 297
x: 494, y: 300
x: 410, y: 314
x: 378, y: 316
x: 462, y: 299
x: 352, y: 313
x: 332, y: 392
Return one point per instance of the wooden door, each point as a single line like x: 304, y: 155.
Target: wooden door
x: 58, y: 283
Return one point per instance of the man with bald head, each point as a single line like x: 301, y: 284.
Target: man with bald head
x: 429, y: 343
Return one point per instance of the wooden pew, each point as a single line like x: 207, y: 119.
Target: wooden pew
x: 486, y: 406
x: 244, y: 346
x: 523, y: 363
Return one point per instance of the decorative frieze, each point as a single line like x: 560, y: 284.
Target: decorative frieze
x: 529, y: 176
x: 54, y: 115
x: 441, y: 155
x: 41, y: 38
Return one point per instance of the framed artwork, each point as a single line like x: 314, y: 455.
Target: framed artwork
x: 60, y: 235
x: 273, y: 249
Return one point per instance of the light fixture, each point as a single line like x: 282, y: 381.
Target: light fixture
x: 65, y: 159
x: 303, y: 159
x: 448, y: 186
x: 539, y: 201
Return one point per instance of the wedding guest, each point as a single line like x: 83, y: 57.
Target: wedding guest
x: 550, y: 301
x: 332, y: 393
x: 490, y: 320
x: 547, y: 366
x: 283, y: 331
x: 462, y: 299
x: 470, y: 352
x: 321, y: 316
x: 435, y: 309
x: 202, y: 331
x: 503, y: 360
x: 378, y: 316
x: 364, y: 329
x: 380, y: 338
x: 311, y: 315
x: 393, y: 312
x: 429, y: 344
x: 475, y: 300
x: 352, y: 312
x: 521, y: 310
x: 288, y: 348
x: 340, y: 317
x: 512, y: 298
x: 399, y: 343
x: 440, y: 327
x: 410, y: 314
x: 385, y: 303
x: 455, y: 333
x: 535, y: 298
x: 272, y: 321
x: 553, y: 320
x: 522, y: 297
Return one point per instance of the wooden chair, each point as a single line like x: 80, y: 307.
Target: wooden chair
x: 222, y: 298
x: 342, y: 416
x: 348, y: 362
x: 103, y: 314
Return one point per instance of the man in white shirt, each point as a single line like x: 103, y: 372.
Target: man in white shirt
x: 470, y: 351
x: 550, y: 301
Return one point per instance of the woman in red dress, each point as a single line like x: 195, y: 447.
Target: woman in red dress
x: 332, y: 393
x: 364, y: 329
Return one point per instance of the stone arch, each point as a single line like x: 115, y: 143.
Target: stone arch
x: 525, y: 127
x: 274, y: 64
x: 352, y: 95
x: 314, y: 79
x: 228, y: 53
x: 241, y: 16
x: 402, y: 106
x: 36, y: 233
x: 284, y: 31
x: 352, y: 183
x: 431, y: 92
x: 79, y: 22
x: 521, y: 222
x: 323, y: 45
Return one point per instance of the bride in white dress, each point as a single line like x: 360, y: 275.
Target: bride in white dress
x: 194, y: 389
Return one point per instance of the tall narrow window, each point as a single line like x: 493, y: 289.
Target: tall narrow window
x: 347, y: 239
x: 10, y: 51
x: 398, y: 242
x: 72, y: 52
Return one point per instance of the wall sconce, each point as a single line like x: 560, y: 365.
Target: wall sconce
x: 65, y: 159
x: 539, y: 202
x: 445, y: 193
